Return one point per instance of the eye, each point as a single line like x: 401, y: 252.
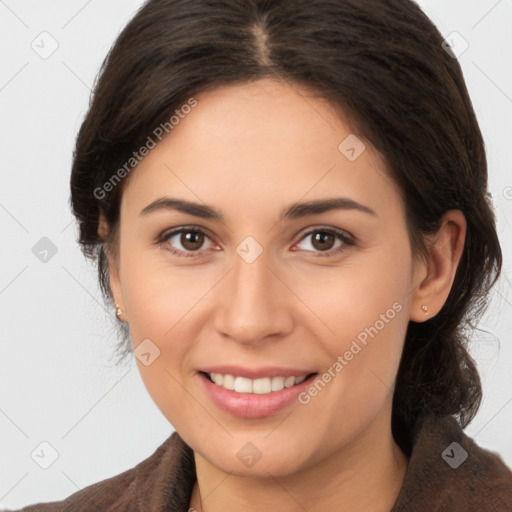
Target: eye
x: 191, y: 240
x: 324, y: 239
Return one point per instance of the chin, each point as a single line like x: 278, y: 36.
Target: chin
x: 256, y: 458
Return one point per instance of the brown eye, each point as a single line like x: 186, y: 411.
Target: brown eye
x: 186, y: 241
x: 192, y: 240
x: 323, y: 241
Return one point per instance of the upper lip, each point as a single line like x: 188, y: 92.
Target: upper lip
x: 256, y: 373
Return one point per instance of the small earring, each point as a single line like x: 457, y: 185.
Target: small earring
x: 424, y: 309
x: 119, y: 311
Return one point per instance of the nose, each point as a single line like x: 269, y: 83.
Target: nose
x: 254, y: 303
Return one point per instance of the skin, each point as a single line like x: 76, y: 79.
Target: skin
x: 250, y: 151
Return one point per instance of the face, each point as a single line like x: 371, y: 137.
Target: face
x: 254, y: 289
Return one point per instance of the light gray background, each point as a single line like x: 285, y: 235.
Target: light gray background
x: 59, y: 382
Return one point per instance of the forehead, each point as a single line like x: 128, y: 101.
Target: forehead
x: 258, y: 143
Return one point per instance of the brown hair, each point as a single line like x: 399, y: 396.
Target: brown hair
x: 381, y: 63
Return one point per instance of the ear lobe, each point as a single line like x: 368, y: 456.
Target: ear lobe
x: 442, y: 262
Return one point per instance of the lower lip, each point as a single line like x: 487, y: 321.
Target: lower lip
x: 251, y: 405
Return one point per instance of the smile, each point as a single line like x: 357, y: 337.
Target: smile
x: 261, y: 386
x: 254, y: 393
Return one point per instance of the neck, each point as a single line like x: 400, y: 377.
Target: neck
x: 365, y: 476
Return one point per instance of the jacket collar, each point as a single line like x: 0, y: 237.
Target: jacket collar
x: 446, y: 471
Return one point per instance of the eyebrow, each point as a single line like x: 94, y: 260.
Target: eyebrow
x: 294, y: 211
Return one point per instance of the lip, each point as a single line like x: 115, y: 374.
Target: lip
x: 251, y: 405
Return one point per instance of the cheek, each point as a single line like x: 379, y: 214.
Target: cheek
x: 373, y: 293
x: 159, y: 309
x: 159, y: 302
x: 366, y: 309
x: 361, y: 363
x: 158, y: 297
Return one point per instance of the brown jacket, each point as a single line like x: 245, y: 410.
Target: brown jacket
x: 439, y: 478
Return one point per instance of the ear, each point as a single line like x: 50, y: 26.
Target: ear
x: 112, y: 263
x: 437, y: 273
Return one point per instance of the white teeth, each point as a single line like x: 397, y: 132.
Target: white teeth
x: 229, y: 382
x: 289, y: 382
x: 243, y: 385
x: 261, y: 386
x: 277, y: 383
x: 257, y: 386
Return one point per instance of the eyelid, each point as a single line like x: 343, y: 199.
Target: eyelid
x: 167, y: 234
x: 330, y: 229
x: 347, y: 238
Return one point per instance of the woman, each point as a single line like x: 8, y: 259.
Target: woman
x: 288, y: 203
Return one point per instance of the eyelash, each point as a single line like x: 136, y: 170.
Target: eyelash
x: 341, y: 235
